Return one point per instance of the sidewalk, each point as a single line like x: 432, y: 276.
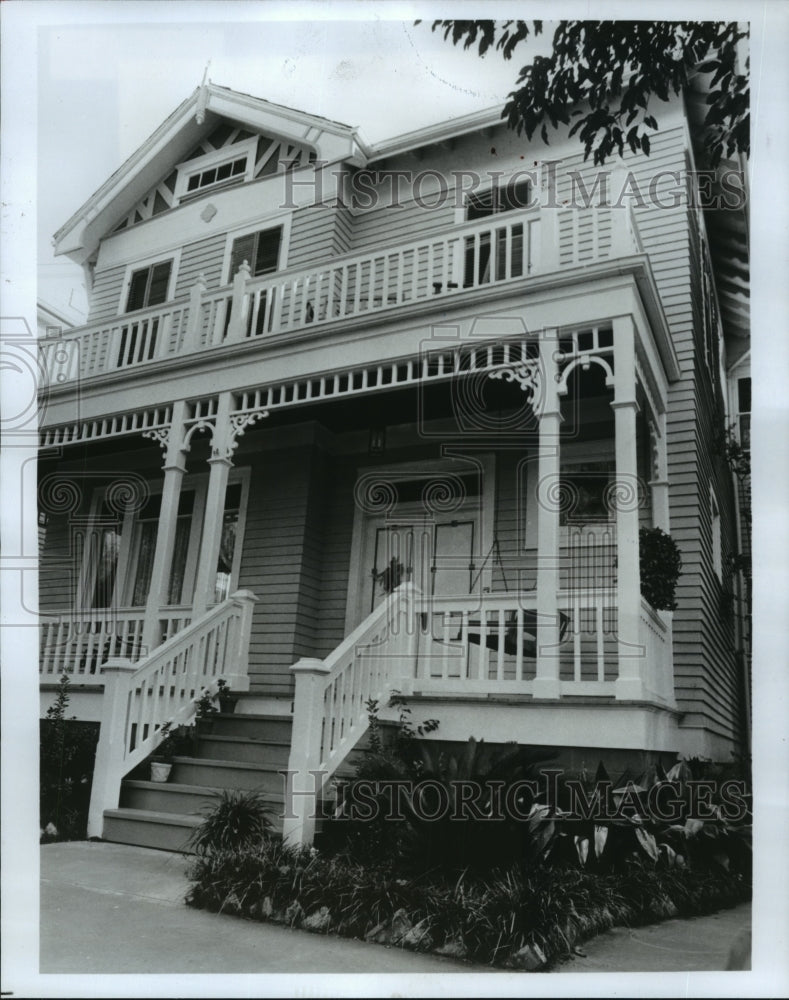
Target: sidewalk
x: 110, y: 908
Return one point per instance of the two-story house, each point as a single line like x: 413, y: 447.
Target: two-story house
x: 348, y: 419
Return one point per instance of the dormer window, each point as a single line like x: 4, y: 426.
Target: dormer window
x: 221, y: 168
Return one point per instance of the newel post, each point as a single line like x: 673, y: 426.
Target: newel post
x: 238, y: 677
x: 303, y: 787
x: 111, y: 749
x: 194, y: 324
x: 236, y: 327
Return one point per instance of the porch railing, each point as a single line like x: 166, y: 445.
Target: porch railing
x: 330, y: 702
x: 81, y: 642
x: 139, y: 699
x: 462, y: 259
x: 489, y: 643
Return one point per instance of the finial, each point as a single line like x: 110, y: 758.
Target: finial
x: 202, y: 97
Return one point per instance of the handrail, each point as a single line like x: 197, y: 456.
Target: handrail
x: 330, y: 703
x: 139, y: 699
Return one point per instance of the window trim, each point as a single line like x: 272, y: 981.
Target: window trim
x: 216, y: 158
x: 716, y: 535
x: 282, y: 221
x: 174, y: 256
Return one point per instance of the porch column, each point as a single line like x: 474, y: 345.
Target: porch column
x: 219, y: 464
x: 658, y: 484
x: 630, y: 680
x: 174, y: 468
x: 546, y: 681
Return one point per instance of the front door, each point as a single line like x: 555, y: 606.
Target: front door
x: 439, y: 555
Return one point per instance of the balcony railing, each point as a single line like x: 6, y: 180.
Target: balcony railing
x: 464, y: 259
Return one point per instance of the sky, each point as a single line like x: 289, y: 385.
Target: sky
x: 103, y: 88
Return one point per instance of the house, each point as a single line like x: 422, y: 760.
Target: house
x: 347, y: 419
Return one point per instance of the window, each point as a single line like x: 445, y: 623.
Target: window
x: 225, y: 172
x: 715, y: 519
x: 119, y: 551
x: 744, y: 412
x: 261, y: 250
x: 585, y: 496
x: 506, y: 198
x: 220, y: 168
x: 479, y: 268
x: 149, y: 286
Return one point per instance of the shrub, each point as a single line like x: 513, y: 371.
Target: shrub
x: 489, y: 918
x: 660, y: 565
x: 238, y: 822
x: 67, y: 750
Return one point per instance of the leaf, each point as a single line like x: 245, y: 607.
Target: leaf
x: 648, y: 843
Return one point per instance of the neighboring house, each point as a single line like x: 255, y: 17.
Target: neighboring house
x: 330, y: 433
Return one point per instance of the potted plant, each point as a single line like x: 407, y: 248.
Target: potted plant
x: 162, y: 759
x: 227, y: 700
x: 205, y: 712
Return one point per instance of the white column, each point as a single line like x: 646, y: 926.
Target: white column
x: 236, y: 328
x: 301, y: 799
x: 546, y: 682
x: 110, y: 751
x: 194, y: 325
x: 220, y: 464
x: 174, y: 468
x: 632, y: 665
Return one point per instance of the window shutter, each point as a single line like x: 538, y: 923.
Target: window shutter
x: 160, y: 279
x: 137, y: 286
x: 267, y: 256
x: 243, y: 250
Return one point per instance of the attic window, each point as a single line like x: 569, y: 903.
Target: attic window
x: 221, y: 168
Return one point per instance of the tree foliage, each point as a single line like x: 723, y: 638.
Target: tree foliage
x: 602, y: 77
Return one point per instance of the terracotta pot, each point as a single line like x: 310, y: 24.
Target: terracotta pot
x: 227, y: 704
x: 160, y: 771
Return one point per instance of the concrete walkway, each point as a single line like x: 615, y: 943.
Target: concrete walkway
x: 110, y: 908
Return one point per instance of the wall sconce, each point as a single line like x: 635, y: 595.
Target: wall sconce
x: 377, y: 440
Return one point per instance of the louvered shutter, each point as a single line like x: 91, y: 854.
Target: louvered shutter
x: 267, y: 256
x: 160, y: 279
x: 137, y: 286
x: 243, y: 250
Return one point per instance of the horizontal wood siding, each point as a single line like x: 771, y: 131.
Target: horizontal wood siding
x: 312, y: 235
x: 203, y: 257
x: 399, y: 223
x: 106, y: 293
x: 271, y: 565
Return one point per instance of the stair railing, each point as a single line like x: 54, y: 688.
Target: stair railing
x: 140, y: 697
x: 330, y: 704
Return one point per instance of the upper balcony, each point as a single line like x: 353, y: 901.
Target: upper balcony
x: 456, y: 266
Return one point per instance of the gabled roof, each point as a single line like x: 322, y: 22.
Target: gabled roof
x: 177, y: 136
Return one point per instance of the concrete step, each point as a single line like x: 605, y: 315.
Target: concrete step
x: 149, y: 828
x: 254, y: 727
x: 243, y: 748
x: 228, y: 774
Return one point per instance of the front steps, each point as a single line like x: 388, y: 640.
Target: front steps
x: 242, y: 751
